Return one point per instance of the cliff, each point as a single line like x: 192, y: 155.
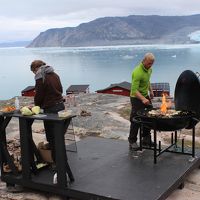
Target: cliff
x: 134, y: 29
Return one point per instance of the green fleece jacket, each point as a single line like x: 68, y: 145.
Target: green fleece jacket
x: 140, y: 80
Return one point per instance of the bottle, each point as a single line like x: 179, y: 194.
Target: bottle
x: 16, y: 103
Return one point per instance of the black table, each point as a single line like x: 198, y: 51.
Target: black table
x: 29, y: 150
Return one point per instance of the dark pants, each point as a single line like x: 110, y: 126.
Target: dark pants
x: 134, y: 127
x: 49, y: 127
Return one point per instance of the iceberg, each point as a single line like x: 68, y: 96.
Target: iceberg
x: 195, y: 36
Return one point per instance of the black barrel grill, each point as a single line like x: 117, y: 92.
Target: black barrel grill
x: 187, y: 100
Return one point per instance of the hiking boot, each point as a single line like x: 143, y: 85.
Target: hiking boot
x: 134, y: 146
x: 146, y: 141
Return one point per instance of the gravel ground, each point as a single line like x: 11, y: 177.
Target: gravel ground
x: 97, y: 114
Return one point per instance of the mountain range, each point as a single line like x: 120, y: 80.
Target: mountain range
x: 133, y: 29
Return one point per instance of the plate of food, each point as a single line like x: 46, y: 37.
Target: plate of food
x: 8, y: 109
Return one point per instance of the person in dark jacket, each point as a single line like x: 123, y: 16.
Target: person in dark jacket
x: 48, y: 95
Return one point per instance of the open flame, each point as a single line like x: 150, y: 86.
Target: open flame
x: 163, y: 106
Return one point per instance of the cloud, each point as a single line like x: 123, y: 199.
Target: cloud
x: 26, y: 19
x: 34, y: 9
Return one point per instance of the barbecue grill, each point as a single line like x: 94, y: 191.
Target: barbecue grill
x: 187, y: 101
x: 166, y: 123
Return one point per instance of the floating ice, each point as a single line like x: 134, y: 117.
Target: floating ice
x: 195, y: 36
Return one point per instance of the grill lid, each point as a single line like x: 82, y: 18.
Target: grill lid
x: 187, y: 92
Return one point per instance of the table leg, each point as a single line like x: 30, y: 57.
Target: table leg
x: 5, y: 157
x: 25, y: 131
x: 62, y: 165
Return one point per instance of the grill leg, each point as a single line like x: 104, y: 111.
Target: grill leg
x: 193, y: 142
x: 140, y: 136
x: 175, y: 139
x: 181, y: 186
x: 154, y: 148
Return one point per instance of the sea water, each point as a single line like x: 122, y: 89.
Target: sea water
x: 97, y: 66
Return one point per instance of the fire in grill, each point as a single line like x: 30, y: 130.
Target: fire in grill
x: 187, y: 107
x: 168, y: 114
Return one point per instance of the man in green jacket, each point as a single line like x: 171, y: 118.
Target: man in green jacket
x: 140, y: 96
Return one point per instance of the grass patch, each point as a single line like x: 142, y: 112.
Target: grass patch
x: 125, y: 111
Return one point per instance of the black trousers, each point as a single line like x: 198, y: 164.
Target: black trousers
x: 137, y: 105
x: 49, y: 127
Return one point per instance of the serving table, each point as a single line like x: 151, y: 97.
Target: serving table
x: 30, y: 175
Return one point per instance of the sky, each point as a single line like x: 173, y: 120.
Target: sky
x: 24, y: 19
